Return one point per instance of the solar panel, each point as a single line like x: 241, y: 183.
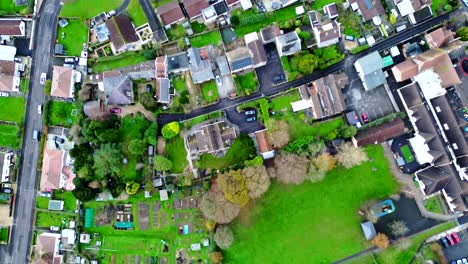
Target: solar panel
x: 238, y: 64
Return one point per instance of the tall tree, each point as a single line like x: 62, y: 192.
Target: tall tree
x: 148, y: 101
x: 381, y: 241
x: 162, y: 163
x: 223, y: 237
x: 325, y: 162
x: 216, y: 257
x: 215, y: 207
x: 151, y: 134
x: 234, y: 186
x: 137, y: 147
x: 257, y: 180
x: 289, y: 168
x: 107, y: 160
x: 349, y: 156
x: 308, y: 64
x: 279, y: 132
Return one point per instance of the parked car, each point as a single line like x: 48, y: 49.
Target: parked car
x: 70, y: 60
x: 149, y: 87
x: 450, y: 240
x: 279, y: 78
x: 54, y: 228
x: 365, y: 117
x: 218, y: 80
x: 17, y: 59
x: 4, y: 94
x: 464, y: 261
x: 43, y: 78
x: 59, y: 140
x: 250, y: 112
x: 455, y: 237
x: 115, y: 110
x: 36, y: 135
x: 444, y: 242
x: 7, y: 190
x: 39, y: 109
x: 251, y: 119
x: 46, y: 194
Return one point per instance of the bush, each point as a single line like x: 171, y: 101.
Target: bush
x: 235, y: 20
x: 48, y: 87
x: 148, y: 102
x: 304, y: 35
x: 132, y: 187
x: 462, y: 33
x: 359, y: 49
x: 448, y: 7
x: 170, y: 130
x: 150, y: 53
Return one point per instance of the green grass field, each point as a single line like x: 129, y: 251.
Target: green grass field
x: 298, y: 128
x: 284, y: 101
x: 12, y: 109
x: 68, y: 198
x: 84, y: 10
x: 433, y: 205
x: 213, y: 37
x: 242, y: 149
x: 4, y: 234
x: 136, y: 13
x: 246, y: 83
x: 209, y: 92
x: 9, y: 136
x: 407, y: 153
x: 312, y: 223
x: 114, y: 62
x: 176, y: 152
x: 73, y: 36
x: 8, y: 7
x: 47, y: 219
x: 42, y: 202
x: 62, y: 114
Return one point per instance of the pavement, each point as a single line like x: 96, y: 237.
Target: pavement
x: 158, y: 32
x: 18, y: 251
x: 240, y: 120
x: 270, y: 90
x: 273, y: 67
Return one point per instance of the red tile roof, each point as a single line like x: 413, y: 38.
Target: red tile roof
x: 62, y: 82
x: 7, y: 73
x: 10, y: 27
x: 52, y: 164
x: 439, y: 37
x: 170, y: 12
x: 194, y: 7
x: 263, y: 143
x: 380, y: 133
x: 405, y: 70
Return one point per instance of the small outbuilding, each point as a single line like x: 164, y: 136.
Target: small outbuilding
x: 368, y: 229
x: 163, y: 196
x: 55, y: 205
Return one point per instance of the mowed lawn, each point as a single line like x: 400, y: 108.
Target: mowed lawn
x: 113, y: 62
x: 62, y: 114
x: 9, y: 136
x: 176, y: 152
x: 213, y: 37
x: 136, y: 13
x: 85, y: 9
x: 73, y: 36
x: 312, y: 223
x: 12, y: 109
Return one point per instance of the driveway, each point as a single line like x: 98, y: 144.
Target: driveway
x: 458, y: 251
x: 273, y: 67
x: 239, y: 119
x: 227, y: 86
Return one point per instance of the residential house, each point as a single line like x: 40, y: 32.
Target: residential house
x: 7, y: 53
x: 63, y: 82
x: 9, y: 76
x: 270, y: 33
x: 326, y: 96
x: 420, y: 15
x: 163, y: 94
x: 288, y: 44
x: 117, y: 87
x: 214, y: 137
x: 331, y: 10
x: 194, y: 8
x: 265, y: 148
x: 170, y: 13
x: 122, y: 34
x: 438, y: 141
x: 326, y: 31
x: 177, y: 63
x: 47, y: 248
x: 160, y: 65
x: 368, y: 9
x: 223, y: 65
x: 201, y: 67
x: 12, y: 27
x: 52, y: 176
x: 255, y: 45
x: 370, y: 71
x: 212, y: 12
x: 240, y: 60
x: 436, y: 59
x: 101, y: 31
x: 408, y: 7
x: 68, y: 238
x: 381, y: 133
x: 439, y: 37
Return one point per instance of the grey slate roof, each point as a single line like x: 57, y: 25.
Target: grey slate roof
x: 177, y: 62
x: 371, y: 63
x: 163, y: 86
x: 374, y: 80
x: 368, y: 229
x: 118, y: 90
x: 220, y: 7
x: 201, y: 70
x: 102, y: 32
x: 223, y: 65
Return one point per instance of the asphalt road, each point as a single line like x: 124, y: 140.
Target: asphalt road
x: 18, y: 251
x: 151, y: 16
x: 226, y: 103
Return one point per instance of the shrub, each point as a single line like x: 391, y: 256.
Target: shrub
x: 235, y: 20
x: 170, y: 130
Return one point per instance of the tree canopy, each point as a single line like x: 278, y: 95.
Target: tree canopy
x: 151, y: 134
x: 137, y: 147
x: 349, y: 156
x: 170, y: 130
x: 107, y: 160
x: 162, y: 163
x: 257, y: 180
x: 234, y: 187
x: 215, y: 207
x: 223, y: 237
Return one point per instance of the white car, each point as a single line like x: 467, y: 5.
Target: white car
x: 39, y: 109
x: 43, y: 78
x: 4, y: 94
x: 218, y: 80
x: 54, y: 228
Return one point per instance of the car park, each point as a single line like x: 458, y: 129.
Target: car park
x: 450, y: 240
x: 4, y: 94
x: 115, y: 110
x: 251, y: 119
x: 455, y: 237
x: 444, y: 242
x: 250, y: 112
x: 43, y: 78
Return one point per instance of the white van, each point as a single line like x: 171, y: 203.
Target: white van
x: 39, y: 109
x: 36, y: 135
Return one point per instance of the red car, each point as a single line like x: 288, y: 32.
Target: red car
x: 116, y: 110
x: 365, y: 118
x: 455, y: 237
x: 450, y: 240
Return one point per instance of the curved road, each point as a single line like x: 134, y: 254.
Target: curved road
x: 226, y: 103
x: 18, y: 251
x: 122, y: 8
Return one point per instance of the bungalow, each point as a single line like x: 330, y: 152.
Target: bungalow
x: 117, y: 88
x: 9, y: 76
x: 10, y: 27
x: 325, y: 93
x: 170, y: 13
x: 270, y: 33
x: 265, y: 148
x: 48, y: 247
x: 326, y: 31
x: 214, y: 137
x: 63, y: 82
x: 194, y: 8
x: 240, y: 60
x: 380, y: 134
x: 288, y: 44
x: 201, y: 67
x: 122, y: 34
x: 370, y: 71
x: 368, y: 9
x: 255, y: 45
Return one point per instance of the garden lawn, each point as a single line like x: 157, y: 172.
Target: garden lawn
x: 114, y: 62
x: 351, y: 22
x: 319, y: 4
x: 242, y: 149
x: 136, y: 13
x: 198, y: 27
x: 9, y: 136
x: 62, y: 114
x: 407, y: 153
x: 12, y: 109
x: 436, y: 5
x: 312, y: 222
x: 176, y: 32
x: 284, y: 101
x: 209, y: 92
x: 42, y: 202
x: 213, y: 37
x: 68, y: 198
x: 396, y: 255
x: 298, y: 128
x: 4, y: 234
x: 176, y: 152
x: 84, y: 10
x: 246, y: 83
x: 76, y: 34
x: 433, y: 205
x: 8, y: 7
x: 47, y: 219
x: 158, y: 3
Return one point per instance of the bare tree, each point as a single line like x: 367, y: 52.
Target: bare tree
x: 215, y: 207
x: 257, y: 180
x: 314, y: 174
x: 279, y: 132
x: 216, y: 257
x: 289, y: 168
x: 234, y: 186
x: 381, y: 241
x: 75, y: 132
x: 223, y: 237
x: 86, y: 92
x: 325, y: 162
x: 398, y: 228
x: 404, y: 243
x: 349, y: 156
